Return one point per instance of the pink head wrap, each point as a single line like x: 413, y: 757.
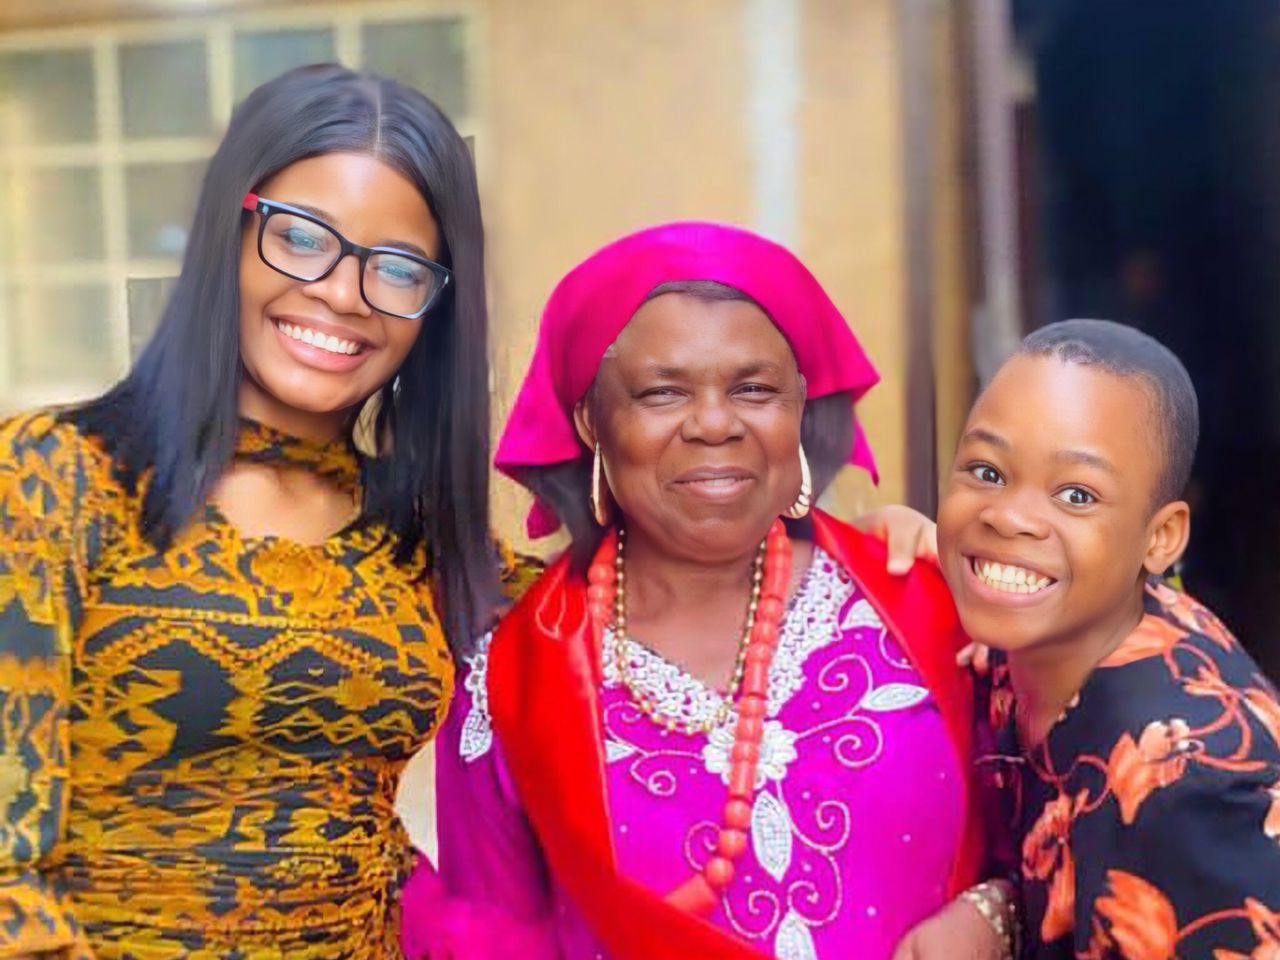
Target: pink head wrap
x: 591, y: 306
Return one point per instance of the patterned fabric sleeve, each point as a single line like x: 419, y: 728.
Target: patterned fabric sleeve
x: 39, y: 599
x: 519, y: 571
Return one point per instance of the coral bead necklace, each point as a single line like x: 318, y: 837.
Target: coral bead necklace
x: 771, y: 579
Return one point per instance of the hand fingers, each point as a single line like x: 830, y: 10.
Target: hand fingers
x: 929, y: 542
x: 977, y: 657
x: 903, y: 545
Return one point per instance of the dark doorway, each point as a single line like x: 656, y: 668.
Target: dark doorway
x: 1156, y: 194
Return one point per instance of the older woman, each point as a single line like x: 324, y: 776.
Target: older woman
x: 705, y: 732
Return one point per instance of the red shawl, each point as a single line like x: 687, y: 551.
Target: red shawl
x: 544, y: 682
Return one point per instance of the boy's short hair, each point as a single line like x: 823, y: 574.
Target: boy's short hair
x: 1125, y: 352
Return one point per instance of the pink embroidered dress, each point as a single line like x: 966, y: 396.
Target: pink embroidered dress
x: 856, y: 821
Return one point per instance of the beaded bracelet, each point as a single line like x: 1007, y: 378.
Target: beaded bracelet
x: 990, y: 900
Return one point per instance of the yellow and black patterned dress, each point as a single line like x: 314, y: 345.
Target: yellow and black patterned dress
x: 199, y: 750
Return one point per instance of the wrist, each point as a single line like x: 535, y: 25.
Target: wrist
x: 994, y: 901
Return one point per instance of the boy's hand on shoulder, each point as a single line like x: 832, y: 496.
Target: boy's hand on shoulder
x: 909, y: 535
x: 977, y: 657
x: 956, y: 932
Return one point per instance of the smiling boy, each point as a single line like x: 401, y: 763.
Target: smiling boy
x: 1140, y: 745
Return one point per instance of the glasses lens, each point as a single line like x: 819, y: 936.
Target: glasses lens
x: 399, y: 285
x: 298, y: 247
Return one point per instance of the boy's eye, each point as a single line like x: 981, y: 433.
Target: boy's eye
x: 1076, y: 496
x: 985, y: 473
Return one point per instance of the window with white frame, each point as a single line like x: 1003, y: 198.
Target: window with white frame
x: 104, y: 137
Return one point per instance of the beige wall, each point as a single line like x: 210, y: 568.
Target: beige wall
x: 952, y: 218
x: 852, y: 189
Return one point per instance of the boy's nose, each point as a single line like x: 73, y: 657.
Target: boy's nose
x: 1012, y: 519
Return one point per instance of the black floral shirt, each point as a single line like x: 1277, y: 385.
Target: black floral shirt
x: 1149, y: 817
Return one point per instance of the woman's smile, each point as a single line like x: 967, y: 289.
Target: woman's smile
x: 717, y: 484
x: 320, y: 345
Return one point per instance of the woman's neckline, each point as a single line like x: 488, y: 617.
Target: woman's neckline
x: 335, y: 460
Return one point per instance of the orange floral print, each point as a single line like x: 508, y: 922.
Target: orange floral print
x: 1262, y: 704
x: 1142, y: 922
x: 1137, y: 769
x: 1060, y: 912
x: 1196, y: 617
x: 1271, y: 826
x: 1266, y: 927
x: 1152, y: 638
x: 1043, y: 846
x: 1046, y: 855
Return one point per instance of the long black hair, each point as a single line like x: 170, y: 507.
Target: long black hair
x: 175, y: 419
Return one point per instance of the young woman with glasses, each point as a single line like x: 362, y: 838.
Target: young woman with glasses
x: 222, y: 630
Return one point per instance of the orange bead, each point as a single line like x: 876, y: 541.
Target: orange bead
x: 737, y: 814
x: 745, y: 752
x: 719, y: 872
x: 742, y: 779
x: 765, y: 634
x: 599, y: 593
x: 755, y: 679
x: 758, y: 653
x: 750, y: 729
x: 770, y: 611
x: 731, y: 844
x: 751, y: 705
x: 694, y: 896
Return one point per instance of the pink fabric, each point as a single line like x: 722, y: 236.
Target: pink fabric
x: 592, y: 305
x: 858, y: 819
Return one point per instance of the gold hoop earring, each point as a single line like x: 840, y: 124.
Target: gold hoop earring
x: 804, y: 500
x: 599, y: 490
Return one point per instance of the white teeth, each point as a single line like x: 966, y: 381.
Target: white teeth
x: 1009, y: 578
x: 317, y: 339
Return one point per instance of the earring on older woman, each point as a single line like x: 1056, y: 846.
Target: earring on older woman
x: 804, y: 500
x: 599, y: 490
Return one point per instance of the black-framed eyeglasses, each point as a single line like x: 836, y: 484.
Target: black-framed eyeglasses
x: 303, y: 247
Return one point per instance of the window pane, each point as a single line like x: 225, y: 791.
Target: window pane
x: 62, y: 335
x: 56, y: 215
x: 165, y: 88
x: 147, y: 299
x: 264, y: 56
x: 47, y: 97
x: 161, y: 200
x: 427, y: 54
